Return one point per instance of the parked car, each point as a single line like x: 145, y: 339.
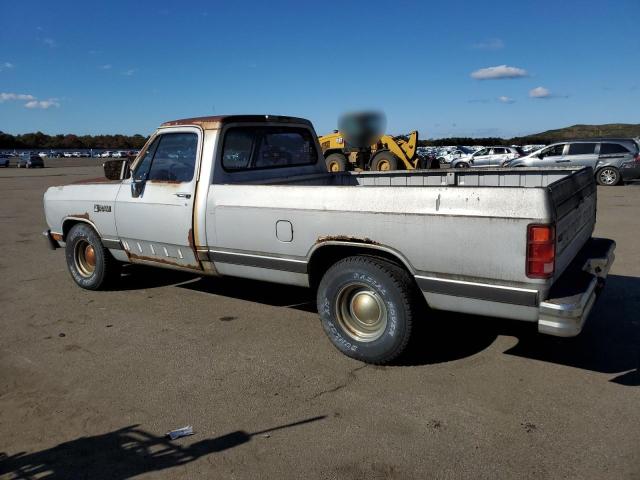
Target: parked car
x: 445, y: 158
x: 67, y: 154
x: 4, y: 160
x: 487, y: 157
x: 613, y: 160
x: 376, y: 247
x: 43, y: 154
x: 106, y: 154
x: 30, y: 161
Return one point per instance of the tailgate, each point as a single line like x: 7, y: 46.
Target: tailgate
x: 573, y: 201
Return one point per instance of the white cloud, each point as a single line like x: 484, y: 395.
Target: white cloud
x: 129, y: 73
x: 6, y: 66
x: 31, y: 101
x: 539, y: 92
x: 106, y: 66
x: 499, y: 71
x: 491, y: 44
x: 49, y: 42
x: 42, y: 104
x: 15, y: 96
x: 505, y: 99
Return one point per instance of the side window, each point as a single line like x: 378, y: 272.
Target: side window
x: 247, y: 148
x: 480, y: 152
x: 499, y: 151
x: 175, y: 158
x: 609, y: 148
x: 142, y: 168
x: 581, y: 148
x: 553, y: 151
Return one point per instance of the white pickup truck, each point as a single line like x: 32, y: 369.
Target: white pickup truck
x: 250, y: 196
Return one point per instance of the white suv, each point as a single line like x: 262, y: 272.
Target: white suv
x: 488, y: 157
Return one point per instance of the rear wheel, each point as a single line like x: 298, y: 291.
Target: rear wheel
x: 367, y: 306
x: 336, y: 162
x: 462, y: 165
x: 384, y: 162
x: 608, y: 176
x: 90, y: 264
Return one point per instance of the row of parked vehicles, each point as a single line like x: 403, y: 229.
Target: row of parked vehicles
x: 613, y: 160
x: 76, y: 154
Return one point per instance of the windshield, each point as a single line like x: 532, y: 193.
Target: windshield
x: 465, y: 150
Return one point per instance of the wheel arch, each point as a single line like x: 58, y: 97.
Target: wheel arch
x: 328, y: 152
x: 70, y: 221
x: 326, y: 253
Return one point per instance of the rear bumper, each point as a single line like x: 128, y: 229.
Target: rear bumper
x: 630, y: 171
x: 572, y: 296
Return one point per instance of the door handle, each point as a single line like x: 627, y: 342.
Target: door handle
x: 183, y: 195
x: 563, y: 161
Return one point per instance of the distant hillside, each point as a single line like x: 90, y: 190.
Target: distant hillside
x: 609, y: 130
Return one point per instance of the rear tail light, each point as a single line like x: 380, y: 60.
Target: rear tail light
x: 637, y: 158
x: 541, y: 251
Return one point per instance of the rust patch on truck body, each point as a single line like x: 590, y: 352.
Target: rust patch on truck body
x: 346, y: 238
x: 84, y: 215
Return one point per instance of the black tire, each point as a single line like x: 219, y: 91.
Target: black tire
x: 105, y: 268
x: 336, y: 162
x: 462, y: 165
x: 384, y: 161
x: 394, y: 295
x: 608, y: 176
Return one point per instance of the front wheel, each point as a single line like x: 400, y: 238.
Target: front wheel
x: 608, y: 176
x: 384, y: 162
x: 90, y: 264
x: 336, y: 162
x: 367, y: 306
x: 462, y: 165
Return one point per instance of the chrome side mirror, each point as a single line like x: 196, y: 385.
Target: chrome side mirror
x: 137, y: 186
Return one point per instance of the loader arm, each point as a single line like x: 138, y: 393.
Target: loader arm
x: 404, y: 150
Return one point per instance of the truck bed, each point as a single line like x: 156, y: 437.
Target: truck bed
x: 461, y: 215
x: 503, y: 177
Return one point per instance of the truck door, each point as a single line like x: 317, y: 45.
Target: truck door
x: 154, y: 208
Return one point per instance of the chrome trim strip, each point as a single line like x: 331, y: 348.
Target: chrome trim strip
x: 480, y: 291
x: 259, y: 261
x: 112, y: 244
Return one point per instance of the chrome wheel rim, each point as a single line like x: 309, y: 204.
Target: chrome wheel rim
x: 608, y: 176
x: 361, y: 312
x: 85, y: 258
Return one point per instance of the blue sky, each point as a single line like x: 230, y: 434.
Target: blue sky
x: 124, y: 67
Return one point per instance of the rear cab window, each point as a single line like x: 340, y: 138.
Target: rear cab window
x: 253, y: 148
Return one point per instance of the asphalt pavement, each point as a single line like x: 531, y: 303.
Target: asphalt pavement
x: 91, y: 381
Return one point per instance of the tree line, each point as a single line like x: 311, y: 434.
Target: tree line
x: 42, y: 141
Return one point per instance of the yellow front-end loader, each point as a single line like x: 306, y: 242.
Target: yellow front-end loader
x: 388, y: 153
